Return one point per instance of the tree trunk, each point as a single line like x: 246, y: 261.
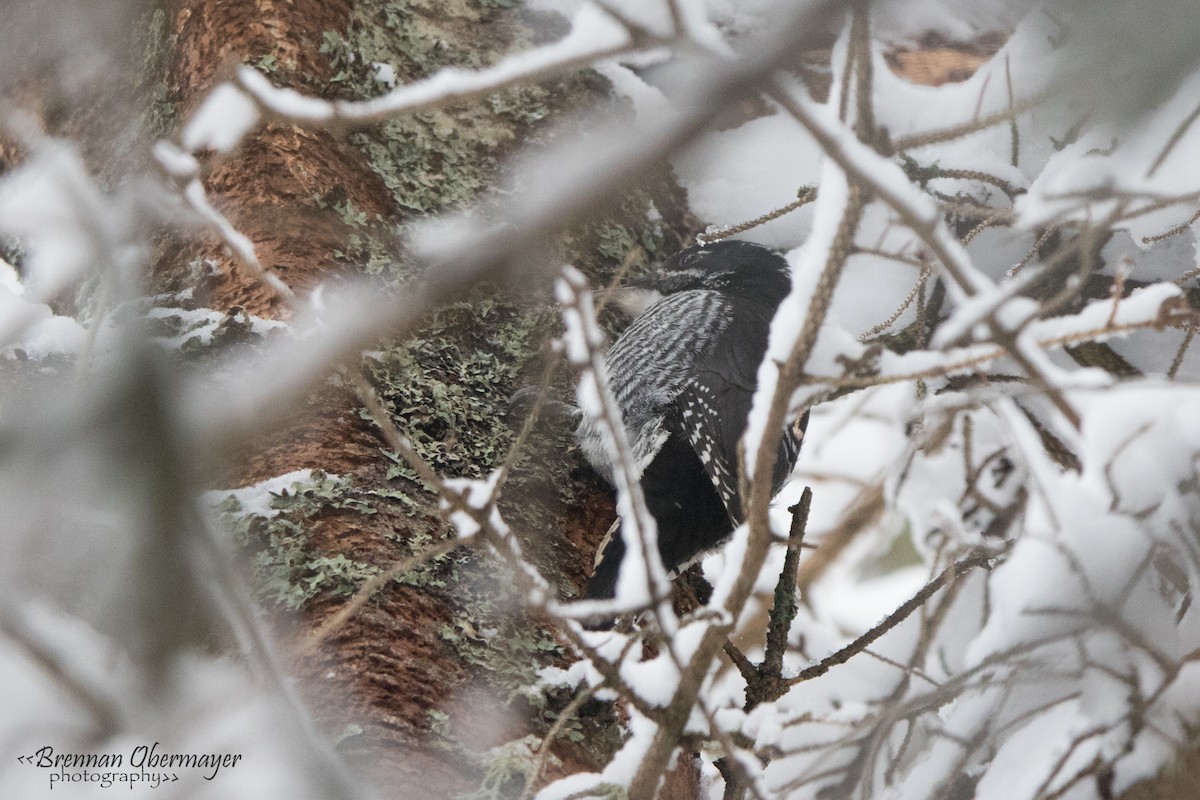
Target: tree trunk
x: 422, y: 682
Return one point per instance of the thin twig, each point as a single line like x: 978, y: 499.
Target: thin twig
x: 534, y: 771
x: 1014, y: 134
x: 1178, y: 229
x: 765, y: 682
x: 860, y: 31
x: 784, y: 611
x: 908, y: 301
x: 1033, y: 251
x: 898, y: 257
x: 956, y: 570
x: 1177, y: 361
x: 980, y: 228
x: 1174, y: 140
x: 105, y: 713
x: 337, y: 620
x: 586, y: 357
x: 191, y: 191
x: 966, y: 129
x: 805, y: 196
x: 982, y: 177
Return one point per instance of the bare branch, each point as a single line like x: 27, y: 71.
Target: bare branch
x: 958, y: 569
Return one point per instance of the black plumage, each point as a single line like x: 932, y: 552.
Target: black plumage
x: 684, y: 374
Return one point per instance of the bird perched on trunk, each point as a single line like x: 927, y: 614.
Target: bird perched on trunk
x: 684, y: 374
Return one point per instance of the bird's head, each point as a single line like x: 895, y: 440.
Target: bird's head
x: 732, y: 267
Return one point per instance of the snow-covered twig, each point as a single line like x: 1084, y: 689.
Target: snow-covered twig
x: 1154, y: 307
x: 184, y: 171
x: 885, y: 180
x: 595, y: 36
x: 583, y: 343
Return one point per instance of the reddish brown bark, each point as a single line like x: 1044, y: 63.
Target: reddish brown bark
x: 390, y: 666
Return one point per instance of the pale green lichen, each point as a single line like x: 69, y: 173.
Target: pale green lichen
x: 287, y: 571
x: 449, y: 384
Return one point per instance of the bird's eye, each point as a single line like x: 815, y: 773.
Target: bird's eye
x: 692, y: 258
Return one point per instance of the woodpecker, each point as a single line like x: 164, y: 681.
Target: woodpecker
x: 683, y: 374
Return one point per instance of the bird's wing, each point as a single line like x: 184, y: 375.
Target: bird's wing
x: 652, y: 360
x: 714, y: 405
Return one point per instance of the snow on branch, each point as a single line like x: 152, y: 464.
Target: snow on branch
x: 595, y: 36
x: 1153, y: 307
x: 642, y: 582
